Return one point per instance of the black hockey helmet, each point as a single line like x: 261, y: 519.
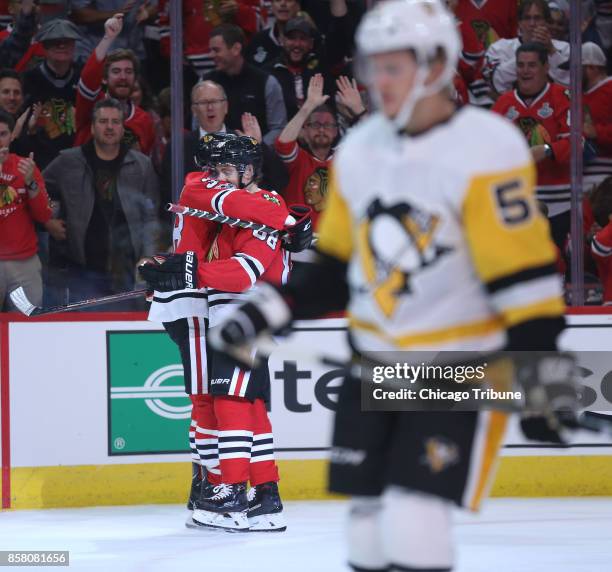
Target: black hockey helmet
x: 231, y: 149
x: 208, y: 149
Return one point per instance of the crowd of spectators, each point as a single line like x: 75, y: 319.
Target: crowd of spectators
x: 85, y: 108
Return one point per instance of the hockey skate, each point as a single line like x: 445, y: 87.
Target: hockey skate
x: 266, y: 509
x: 200, y: 487
x: 225, y: 507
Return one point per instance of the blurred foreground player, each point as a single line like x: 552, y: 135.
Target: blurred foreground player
x: 418, y: 196
x: 232, y: 435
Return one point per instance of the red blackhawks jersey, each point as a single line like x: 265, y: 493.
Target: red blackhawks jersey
x: 138, y: 125
x: 601, y: 247
x: 597, y: 103
x: 470, y: 65
x: 490, y: 19
x: 18, y: 211
x: 308, y: 176
x: 238, y: 259
x: 545, y: 120
x: 209, y: 242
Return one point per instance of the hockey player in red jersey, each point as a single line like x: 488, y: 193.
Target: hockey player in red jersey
x: 233, y: 434
x: 184, y: 313
x: 541, y: 110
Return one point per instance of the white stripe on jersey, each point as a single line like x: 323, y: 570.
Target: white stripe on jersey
x: 526, y: 293
x: 258, y: 265
x: 197, y: 345
x: 234, y: 382
x: 217, y: 201
x: 291, y: 156
x: 220, y: 303
x: 171, y: 306
x: 245, y: 383
x: 247, y: 268
x: 86, y: 92
x: 600, y: 249
x: 236, y: 433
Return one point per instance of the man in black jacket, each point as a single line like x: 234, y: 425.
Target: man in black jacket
x: 248, y: 89
x: 300, y: 60
x: 265, y: 45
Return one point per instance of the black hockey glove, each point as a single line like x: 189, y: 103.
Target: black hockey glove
x: 551, y: 394
x: 264, y: 313
x: 299, y: 235
x: 167, y: 272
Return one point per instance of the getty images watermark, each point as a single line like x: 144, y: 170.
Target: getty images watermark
x: 435, y: 383
x: 468, y: 381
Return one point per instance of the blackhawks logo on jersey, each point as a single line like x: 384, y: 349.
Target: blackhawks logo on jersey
x: 535, y: 133
x: 397, y: 242
x: 485, y: 33
x: 8, y: 195
x: 271, y: 198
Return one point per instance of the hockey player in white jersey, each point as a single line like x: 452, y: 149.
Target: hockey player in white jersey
x: 431, y: 240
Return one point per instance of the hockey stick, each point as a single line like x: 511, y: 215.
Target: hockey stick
x: 214, y: 217
x: 20, y: 299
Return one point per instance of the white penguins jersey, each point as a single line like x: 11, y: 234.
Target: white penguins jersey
x: 445, y: 246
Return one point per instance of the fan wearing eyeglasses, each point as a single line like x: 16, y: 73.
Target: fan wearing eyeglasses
x: 534, y: 21
x: 210, y: 107
x: 317, y: 126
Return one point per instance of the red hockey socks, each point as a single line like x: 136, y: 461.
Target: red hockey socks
x: 263, y: 467
x: 205, y: 436
x: 235, y: 425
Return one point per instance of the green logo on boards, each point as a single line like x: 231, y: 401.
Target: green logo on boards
x: 148, y: 410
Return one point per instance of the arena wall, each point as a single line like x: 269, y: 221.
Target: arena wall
x: 93, y: 413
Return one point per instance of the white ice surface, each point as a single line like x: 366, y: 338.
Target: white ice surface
x: 530, y: 535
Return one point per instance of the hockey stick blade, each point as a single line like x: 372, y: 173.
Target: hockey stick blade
x: 23, y: 304
x: 19, y: 298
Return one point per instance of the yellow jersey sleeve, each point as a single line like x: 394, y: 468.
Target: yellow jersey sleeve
x: 336, y: 224
x: 509, y: 241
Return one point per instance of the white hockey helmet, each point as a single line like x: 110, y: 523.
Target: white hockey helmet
x: 422, y: 26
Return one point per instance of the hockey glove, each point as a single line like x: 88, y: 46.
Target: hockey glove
x: 165, y: 273
x: 265, y: 312
x: 299, y: 235
x: 551, y: 394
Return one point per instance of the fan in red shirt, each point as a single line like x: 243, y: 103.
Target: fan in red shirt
x: 308, y: 168
x: 232, y: 413
x: 597, y: 101
x: 23, y: 201
x: 490, y: 19
x: 119, y: 71
x: 601, y: 236
x: 541, y: 110
x: 471, y: 87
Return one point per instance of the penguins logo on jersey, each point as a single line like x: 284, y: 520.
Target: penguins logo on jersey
x: 440, y: 453
x: 396, y: 242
